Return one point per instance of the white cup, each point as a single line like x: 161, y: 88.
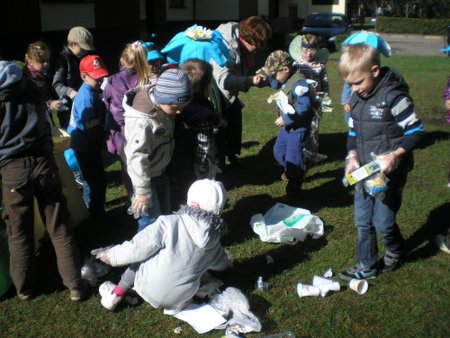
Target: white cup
x: 320, y: 281
x: 325, y: 285
x: 307, y: 290
x: 359, y: 285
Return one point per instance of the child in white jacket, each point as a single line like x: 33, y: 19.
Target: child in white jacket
x: 172, y: 255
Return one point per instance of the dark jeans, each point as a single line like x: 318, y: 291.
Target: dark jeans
x: 91, y: 166
x: 160, y: 188
x: 22, y: 179
x: 229, y: 138
x: 378, y: 214
x: 288, y: 151
x: 63, y: 118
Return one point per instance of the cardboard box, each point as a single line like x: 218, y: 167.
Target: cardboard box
x: 363, y: 172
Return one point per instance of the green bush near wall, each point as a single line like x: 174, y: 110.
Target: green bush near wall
x: 412, y: 26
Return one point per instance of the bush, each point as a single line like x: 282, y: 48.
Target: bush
x: 412, y: 26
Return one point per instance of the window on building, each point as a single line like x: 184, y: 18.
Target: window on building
x: 177, y: 4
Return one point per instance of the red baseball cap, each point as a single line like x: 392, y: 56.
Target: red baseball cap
x: 93, y: 66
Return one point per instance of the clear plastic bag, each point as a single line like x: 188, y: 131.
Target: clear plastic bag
x: 376, y: 184
x: 233, y: 300
x: 92, y: 269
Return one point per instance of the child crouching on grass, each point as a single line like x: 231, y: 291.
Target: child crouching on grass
x: 169, y: 257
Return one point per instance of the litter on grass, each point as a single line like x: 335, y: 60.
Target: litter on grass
x: 285, y: 224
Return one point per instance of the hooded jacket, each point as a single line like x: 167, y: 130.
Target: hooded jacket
x: 67, y: 73
x: 116, y: 87
x: 149, y: 139
x: 231, y: 78
x: 175, y: 252
x: 384, y: 120
x: 24, y: 128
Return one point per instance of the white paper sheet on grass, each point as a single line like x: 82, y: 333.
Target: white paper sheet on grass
x: 202, y: 317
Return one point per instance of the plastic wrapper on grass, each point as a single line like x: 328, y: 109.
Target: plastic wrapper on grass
x: 232, y: 300
x: 92, y: 269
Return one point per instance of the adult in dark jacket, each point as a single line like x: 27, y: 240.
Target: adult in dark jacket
x: 28, y: 171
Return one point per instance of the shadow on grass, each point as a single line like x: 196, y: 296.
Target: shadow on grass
x: 420, y: 244
x: 244, y: 274
x: 117, y: 227
x: 430, y: 138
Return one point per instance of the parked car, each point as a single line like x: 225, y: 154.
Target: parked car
x: 327, y: 26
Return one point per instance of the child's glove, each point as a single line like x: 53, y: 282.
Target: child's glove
x: 102, y: 254
x: 141, y: 203
x: 388, y: 162
x: 352, y: 162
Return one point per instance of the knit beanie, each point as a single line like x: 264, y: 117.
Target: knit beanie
x: 209, y: 195
x: 173, y: 87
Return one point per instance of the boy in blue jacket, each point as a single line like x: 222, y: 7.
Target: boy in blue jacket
x: 86, y: 128
x: 294, y: 119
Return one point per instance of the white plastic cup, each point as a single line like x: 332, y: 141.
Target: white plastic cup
x: 307, y: 290
x: 325, y: 285
x: 359, y: 285
x: 320, y: 281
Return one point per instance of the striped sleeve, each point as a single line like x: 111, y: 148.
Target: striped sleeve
x: 403, y: 111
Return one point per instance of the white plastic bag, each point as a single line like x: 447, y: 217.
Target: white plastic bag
x: 233, y: 300
x: 285, y: 224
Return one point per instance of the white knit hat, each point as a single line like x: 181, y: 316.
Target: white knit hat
x: 209, y: 195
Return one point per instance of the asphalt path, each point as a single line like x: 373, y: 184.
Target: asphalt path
x: 414, y: 44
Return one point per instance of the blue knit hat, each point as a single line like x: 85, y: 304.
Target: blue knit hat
x: 173, y: 87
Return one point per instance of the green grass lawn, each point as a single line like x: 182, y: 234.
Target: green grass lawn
x: 413, y: 301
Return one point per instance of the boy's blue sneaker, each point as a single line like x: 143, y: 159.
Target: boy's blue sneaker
x: 358, y: 272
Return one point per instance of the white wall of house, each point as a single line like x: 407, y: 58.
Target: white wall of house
x: 64, y: 16
x: 304, y: 8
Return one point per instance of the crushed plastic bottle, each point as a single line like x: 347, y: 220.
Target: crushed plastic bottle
x: 261, y: 285
x: 93, y: 269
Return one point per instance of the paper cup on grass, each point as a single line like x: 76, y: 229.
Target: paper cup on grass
x: 325, y: 285
x: 307, y: 290
x: 320, y: 281
x: 359, y: 285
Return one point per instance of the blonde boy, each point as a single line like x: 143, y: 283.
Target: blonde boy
x: 384, y: 123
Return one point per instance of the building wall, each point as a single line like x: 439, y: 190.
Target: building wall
x: 247, y: 8
x: 208, y: 10
x: 263, y: 8
x: 177, y: 14
x: 56, y: 16
x: 304, y: 8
